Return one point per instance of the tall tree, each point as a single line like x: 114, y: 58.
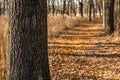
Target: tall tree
x: 68, y: 7
x: 53, y: 7
x: 64, y: 6
x: 109, y: 16
x: 81, y: 7
x: 28, y: 54
x: 94, y: 9
x: 90, y: 9
x: 99, y: 4
x: 0, y: 8
x: 48, y: 8
x: 4, y: 6
x: 104, y: 13
x: 118, y: 17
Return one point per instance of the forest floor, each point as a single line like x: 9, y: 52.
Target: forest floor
x: 83, y: 52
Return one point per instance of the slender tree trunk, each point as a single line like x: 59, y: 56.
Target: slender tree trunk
x: 104, y: 14
x: 0, y: 9
x: 64, y: 6
x: 4, y: 3
x: 58, y: 6
x: 100, y: 6
x: 93, y: 6
x: 81, y: 8
x: 68, y: 12
x: 118, y: 18
x: 53, y: 7
x: 90, y: 8
x: 28, y: 54
x: 48, y: 7
x: 71, y: 7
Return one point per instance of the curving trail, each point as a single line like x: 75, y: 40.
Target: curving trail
x: 82, y: 53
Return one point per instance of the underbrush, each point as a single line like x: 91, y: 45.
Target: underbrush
x: 59, y: 22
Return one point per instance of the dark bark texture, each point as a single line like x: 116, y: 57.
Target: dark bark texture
x: 90, y: 10
x: 81, y: 7
x: 53, y: 6
x: 28, y: 55
x: 64, y: 7
x: 109, y: 25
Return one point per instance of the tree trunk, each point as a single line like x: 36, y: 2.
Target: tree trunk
x: 94, y: 9
x: 100, y: 7
x: 68, y: 12
x: 0, y: 9
x: 58, y: 7
x: 64, y: 6
x: 104, y: 13
x: 53, y: 7
x: 90, y: 8
x: 48, y: 9
x: 28, y: 54
x: 4, y: 5
x: 81, y: 8
x: 71, y: 7
x: 109, y: 14
x: 118, y: 18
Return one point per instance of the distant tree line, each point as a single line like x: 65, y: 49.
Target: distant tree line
x: 3, y: 6
x: 73, y: 7
x: 108, y: 10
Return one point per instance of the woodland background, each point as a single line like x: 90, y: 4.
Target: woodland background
x: 83, y: 39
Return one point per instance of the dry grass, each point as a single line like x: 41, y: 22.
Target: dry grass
x: 3, y: 45
x: 58, y: 22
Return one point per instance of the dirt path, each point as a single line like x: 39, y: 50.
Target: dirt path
x: 81, y: 53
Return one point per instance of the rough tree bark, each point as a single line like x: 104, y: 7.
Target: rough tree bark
x: 109, y: 17
x: 28, y: 54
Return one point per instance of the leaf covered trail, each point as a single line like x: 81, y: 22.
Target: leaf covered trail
x: 83, y: 53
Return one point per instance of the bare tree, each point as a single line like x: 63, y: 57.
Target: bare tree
x: 53, y: 7
x: 0, y: 8
x: 64, y: 7
x: 109, y: 16
x: 90, y: 9
x: 81, y: 7
x: 118, y: 17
